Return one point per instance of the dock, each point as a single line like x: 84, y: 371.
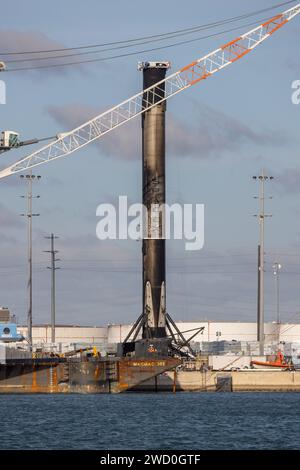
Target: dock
x: 215, y: 381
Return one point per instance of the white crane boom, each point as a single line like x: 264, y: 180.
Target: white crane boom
x: 141, y: 102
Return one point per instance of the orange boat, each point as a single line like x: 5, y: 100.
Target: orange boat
x: 278, y: 363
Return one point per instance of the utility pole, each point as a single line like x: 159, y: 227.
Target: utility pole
x: 258, y: 288
x: 53, y: 268
x: 262, y: 178
x: 29, y: 178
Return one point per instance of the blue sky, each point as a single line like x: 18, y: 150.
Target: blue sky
x: 219, y: 134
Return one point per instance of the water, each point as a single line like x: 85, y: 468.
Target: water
x: 151, y: 421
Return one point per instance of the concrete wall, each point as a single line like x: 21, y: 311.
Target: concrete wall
x: 255, y: 381
x: 260, y: 380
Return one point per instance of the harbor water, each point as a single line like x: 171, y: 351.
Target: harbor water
x: 151, y: 421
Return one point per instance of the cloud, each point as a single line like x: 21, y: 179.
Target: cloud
x: 214, y: 133
x: 9, y: 219
x: 18, y: 41
x: 125, y: 143
x: 288, y: 180
x: 293, y: 65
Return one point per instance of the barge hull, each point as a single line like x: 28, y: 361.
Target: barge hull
x: 94, y: 376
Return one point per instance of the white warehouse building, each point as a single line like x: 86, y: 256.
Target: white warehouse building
x: 213, y: 331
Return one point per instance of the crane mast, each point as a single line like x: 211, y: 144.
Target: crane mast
x: 138, y: 104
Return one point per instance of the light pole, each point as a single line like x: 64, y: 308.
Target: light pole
x: 276, y: 269
x: 29, y: 178
x: 262, y: 178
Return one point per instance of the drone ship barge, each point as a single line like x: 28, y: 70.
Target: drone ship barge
x: 78, y: 370
x: 90, y: 375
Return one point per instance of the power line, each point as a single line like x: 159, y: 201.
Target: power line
x: 126, y: 46
x: 30, y: 59
x: 113, y: 57
x: 128, y: 54
x: 154, y: 36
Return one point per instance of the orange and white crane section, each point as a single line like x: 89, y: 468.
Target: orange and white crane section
x: 202, y: 68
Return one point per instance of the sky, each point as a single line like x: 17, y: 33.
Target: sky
x: 219, y: 134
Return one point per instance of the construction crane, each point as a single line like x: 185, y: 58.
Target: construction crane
x: 10, y: 140
x: 173, y: 84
